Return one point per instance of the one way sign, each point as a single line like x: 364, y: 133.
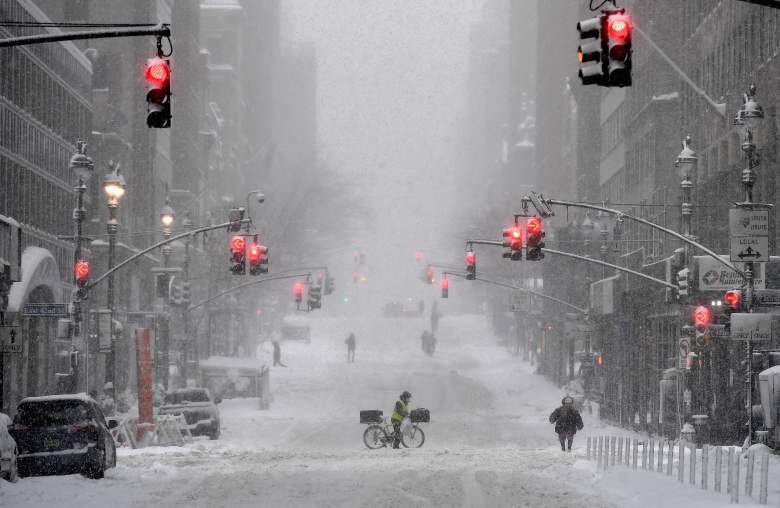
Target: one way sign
x: 10, y: 339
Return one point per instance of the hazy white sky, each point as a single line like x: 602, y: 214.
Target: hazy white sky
x: 391, y: 85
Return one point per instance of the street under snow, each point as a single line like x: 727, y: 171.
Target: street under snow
x: 488, y: 444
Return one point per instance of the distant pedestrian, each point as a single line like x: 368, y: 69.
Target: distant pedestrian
x: 350, y: 342
x: 278, y: 355
x: 567, y: 422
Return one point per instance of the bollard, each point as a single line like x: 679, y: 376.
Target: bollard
x: 681, y: 463
x: 628, y: 451
x: 612, y: 451
x: 660, y: 456
x: 589, y: 438
x: 762, y: 492
x: 693, y: 464
x: 705, y: 463
x: 636, y: 451
x: 620, y: 450
x: 735, y: 487
x: 730, y: 470
x: 749, y: 474
x: 601, y: 449
x: 644, y: 455
x: 718, y: 468
x: 670, y: 459
x: 651, y: 456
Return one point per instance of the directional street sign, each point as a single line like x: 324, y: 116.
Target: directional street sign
x: 10, y: 339
x: 768, y: 297
x: 46, y: 309
x: 749, y: 233
x: 752, y: 327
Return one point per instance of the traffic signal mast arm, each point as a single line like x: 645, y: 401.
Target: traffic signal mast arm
x: 157, y: 246
x: 161, y: 30
x: 518, y: 288
x: 247, y: 284
x: 653, y: 225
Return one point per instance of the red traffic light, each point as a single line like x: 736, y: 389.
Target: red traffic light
x: 471, y: 258
x: 417, y: 256
x: 237, y: 244
x: 599, y: 359
x: 254, y: 254
x: 81, y: 271
x: 534, y: 226
x: 445, y: 283
x: 298, y: 289
x: 619, y: 27
x: 733, y: 299
x: 158, y: 71
x: 429, y: 274
x: 702, y: 316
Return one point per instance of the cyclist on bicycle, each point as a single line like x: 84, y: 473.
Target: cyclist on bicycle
x: 400, y: 411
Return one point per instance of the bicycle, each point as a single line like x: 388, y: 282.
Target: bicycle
x: 380, y: 433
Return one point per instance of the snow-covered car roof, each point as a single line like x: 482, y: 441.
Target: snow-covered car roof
x: 83, y: 397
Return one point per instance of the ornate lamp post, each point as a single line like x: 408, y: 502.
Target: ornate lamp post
x: 83, y: 167
x: 686, y: 163
x: 114, y: 187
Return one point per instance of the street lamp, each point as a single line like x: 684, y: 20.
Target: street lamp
x: 167, y: 217
x: 83, y: 167
x: 259, y: 196
x: 686, y: 163
x: 114, y: 187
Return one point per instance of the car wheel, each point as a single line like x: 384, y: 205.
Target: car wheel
x: 96, y: 469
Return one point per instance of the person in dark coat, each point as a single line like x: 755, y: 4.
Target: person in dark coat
x: 567, y: 422
x: 278, y: 355
x: 350, y: 342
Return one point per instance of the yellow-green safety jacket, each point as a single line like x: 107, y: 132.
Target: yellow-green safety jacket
x: 400, y: 411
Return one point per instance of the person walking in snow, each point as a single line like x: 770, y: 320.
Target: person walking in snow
x: 278, y: 354
x: 567, y: 422
x: 350, y: 342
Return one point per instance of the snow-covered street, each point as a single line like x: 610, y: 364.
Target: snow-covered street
x: 488, y: 443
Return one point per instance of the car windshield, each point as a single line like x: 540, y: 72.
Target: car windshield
x: 54, y: 412
x: 184, y: 396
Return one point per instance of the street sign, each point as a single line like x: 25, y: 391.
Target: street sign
x: 752, y: 327
x: 767, y: 297
x: 46, y: 309
x: 749, y: 248
x: 10, y: 339
x: 713, y: 276
x: 718, y: 331
x: 749, y: 233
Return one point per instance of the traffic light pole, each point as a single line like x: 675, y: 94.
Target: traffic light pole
x: 243, y: 286
x: 623, y: 215
x: 525, y: 290
x: 161, y: 30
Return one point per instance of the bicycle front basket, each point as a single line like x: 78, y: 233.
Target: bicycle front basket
x: 420, y: 415
x: 371, y: 416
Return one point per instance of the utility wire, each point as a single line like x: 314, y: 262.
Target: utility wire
x: 72, y: 25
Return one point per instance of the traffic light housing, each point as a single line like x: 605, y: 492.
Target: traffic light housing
x: 158, y: 95
x: 618, y: 31
x: 513, y: 241
x: 235, y: 216
x: 329, y: 284
x: 186, y: 296
x: 683, y: 283
x: 238, y: 255
x: 591, y: 51
x: 471, y: 265
x: 298, y: 292
x: 445, y: 287
x: 428, y: 276
x: 315, y: 297
x: 702, y: 317
x: 733, y: 301
x: 533, y: 243
x: 81, y: 272
x: 258, y: 261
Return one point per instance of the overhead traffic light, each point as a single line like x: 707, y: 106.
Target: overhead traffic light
x: 238, y: 255
x: 81, y: 272
x: 428, y: 276
x: 158, y: 95
x: 235, y: 216
x: 590, y: 51
x: 733, y: 300
x: 186, y: 295
x: 315, y: 297
x: 683, y: 283
x: 605, y: 49
x: 513, y: 241
x: 258, y: 261
x: 619, y: 49
x: 471, y: 265
x: 702, y: 317
x: 329, y: 284
x: 533, y: 242
x: 445, y: 287
x: 298, y: 292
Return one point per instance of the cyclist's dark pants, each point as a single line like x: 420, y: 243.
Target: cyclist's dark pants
x: 396, y: 434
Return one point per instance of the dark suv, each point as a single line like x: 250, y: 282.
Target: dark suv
x: 199, y: 410
x: 62, y: 434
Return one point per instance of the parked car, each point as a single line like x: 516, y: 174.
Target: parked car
x: 62, y: 434
x: 199, y: 410
x: 8, y: 467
